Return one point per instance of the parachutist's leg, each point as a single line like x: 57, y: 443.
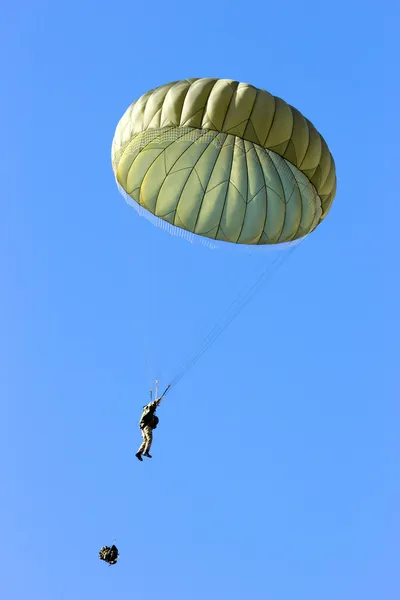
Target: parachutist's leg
x: 148, y: 438
x: 142, y: 445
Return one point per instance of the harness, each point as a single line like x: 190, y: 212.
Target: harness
x: 149, y: 418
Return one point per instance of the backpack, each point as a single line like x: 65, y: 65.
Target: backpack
x: 149, y: 418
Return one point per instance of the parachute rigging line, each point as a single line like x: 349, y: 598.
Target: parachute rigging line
x: 220, y: 326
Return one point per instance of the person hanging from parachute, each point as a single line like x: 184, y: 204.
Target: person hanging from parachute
x: 214, y: 142
x: 147, y: 423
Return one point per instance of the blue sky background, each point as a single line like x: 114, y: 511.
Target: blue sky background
x: 275, y: 469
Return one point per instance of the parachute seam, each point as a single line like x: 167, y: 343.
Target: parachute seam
x: 226, y: 193
x: 174, y: 86
x: 271, y: 124
x: 272, y: 164
x: 224, y: 234
x: 169, y: 86
x: 149, y: 167
x: 284, y: 199
x: 319, y: 137
x: 192, y: 117
x: 263, y: 186
x: 235, y: 126
x: 209, y: 230
x: 206, y: 102
x: 325, y: 146
x: 157, y: 117
x: 314, y: 196
x: 247, y: 195
x: 131, y: 165
x: 206, y: 105
x: 202, y: 108
x: 329, y: 172
x: 301, y: 201
x: 251, y: 114
x: 308, y: 144
x: 238, y: 191
x: 205, y: 190
x: 144, y: 149
x: 290, y: 197
x: 290, y: 138
x: 172, y: 166
x: 167, y: 214
x: 266, y: 197
x: 169, y: 171
x: 198, y: 177
x: 234, y: 92
x: 217, y: 185
x: 256, y: 194
x: 187, y: 179
x: 184, y: 102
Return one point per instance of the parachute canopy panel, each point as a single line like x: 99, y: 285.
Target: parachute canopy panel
x: 224, y: 160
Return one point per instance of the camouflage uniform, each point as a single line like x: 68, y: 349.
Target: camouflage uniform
x: 148, y: 422
x: 147, y: 435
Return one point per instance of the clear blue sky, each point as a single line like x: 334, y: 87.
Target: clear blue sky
x: 275, y: 465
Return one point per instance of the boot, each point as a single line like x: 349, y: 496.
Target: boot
x: 139, y: 456
x: 147, y: 454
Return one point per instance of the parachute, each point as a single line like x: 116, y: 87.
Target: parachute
x: 225, y: 161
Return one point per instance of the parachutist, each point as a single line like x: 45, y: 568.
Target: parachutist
x: 109, y: 554
x: 148, y: 422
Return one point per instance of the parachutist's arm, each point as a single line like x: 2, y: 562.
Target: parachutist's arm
x: 153, y: 404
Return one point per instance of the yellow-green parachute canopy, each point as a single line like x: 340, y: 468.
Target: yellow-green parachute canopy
x: 224, y: 160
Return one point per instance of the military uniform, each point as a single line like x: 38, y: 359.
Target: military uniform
x: 147, y: 435
x: 148, y: 422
